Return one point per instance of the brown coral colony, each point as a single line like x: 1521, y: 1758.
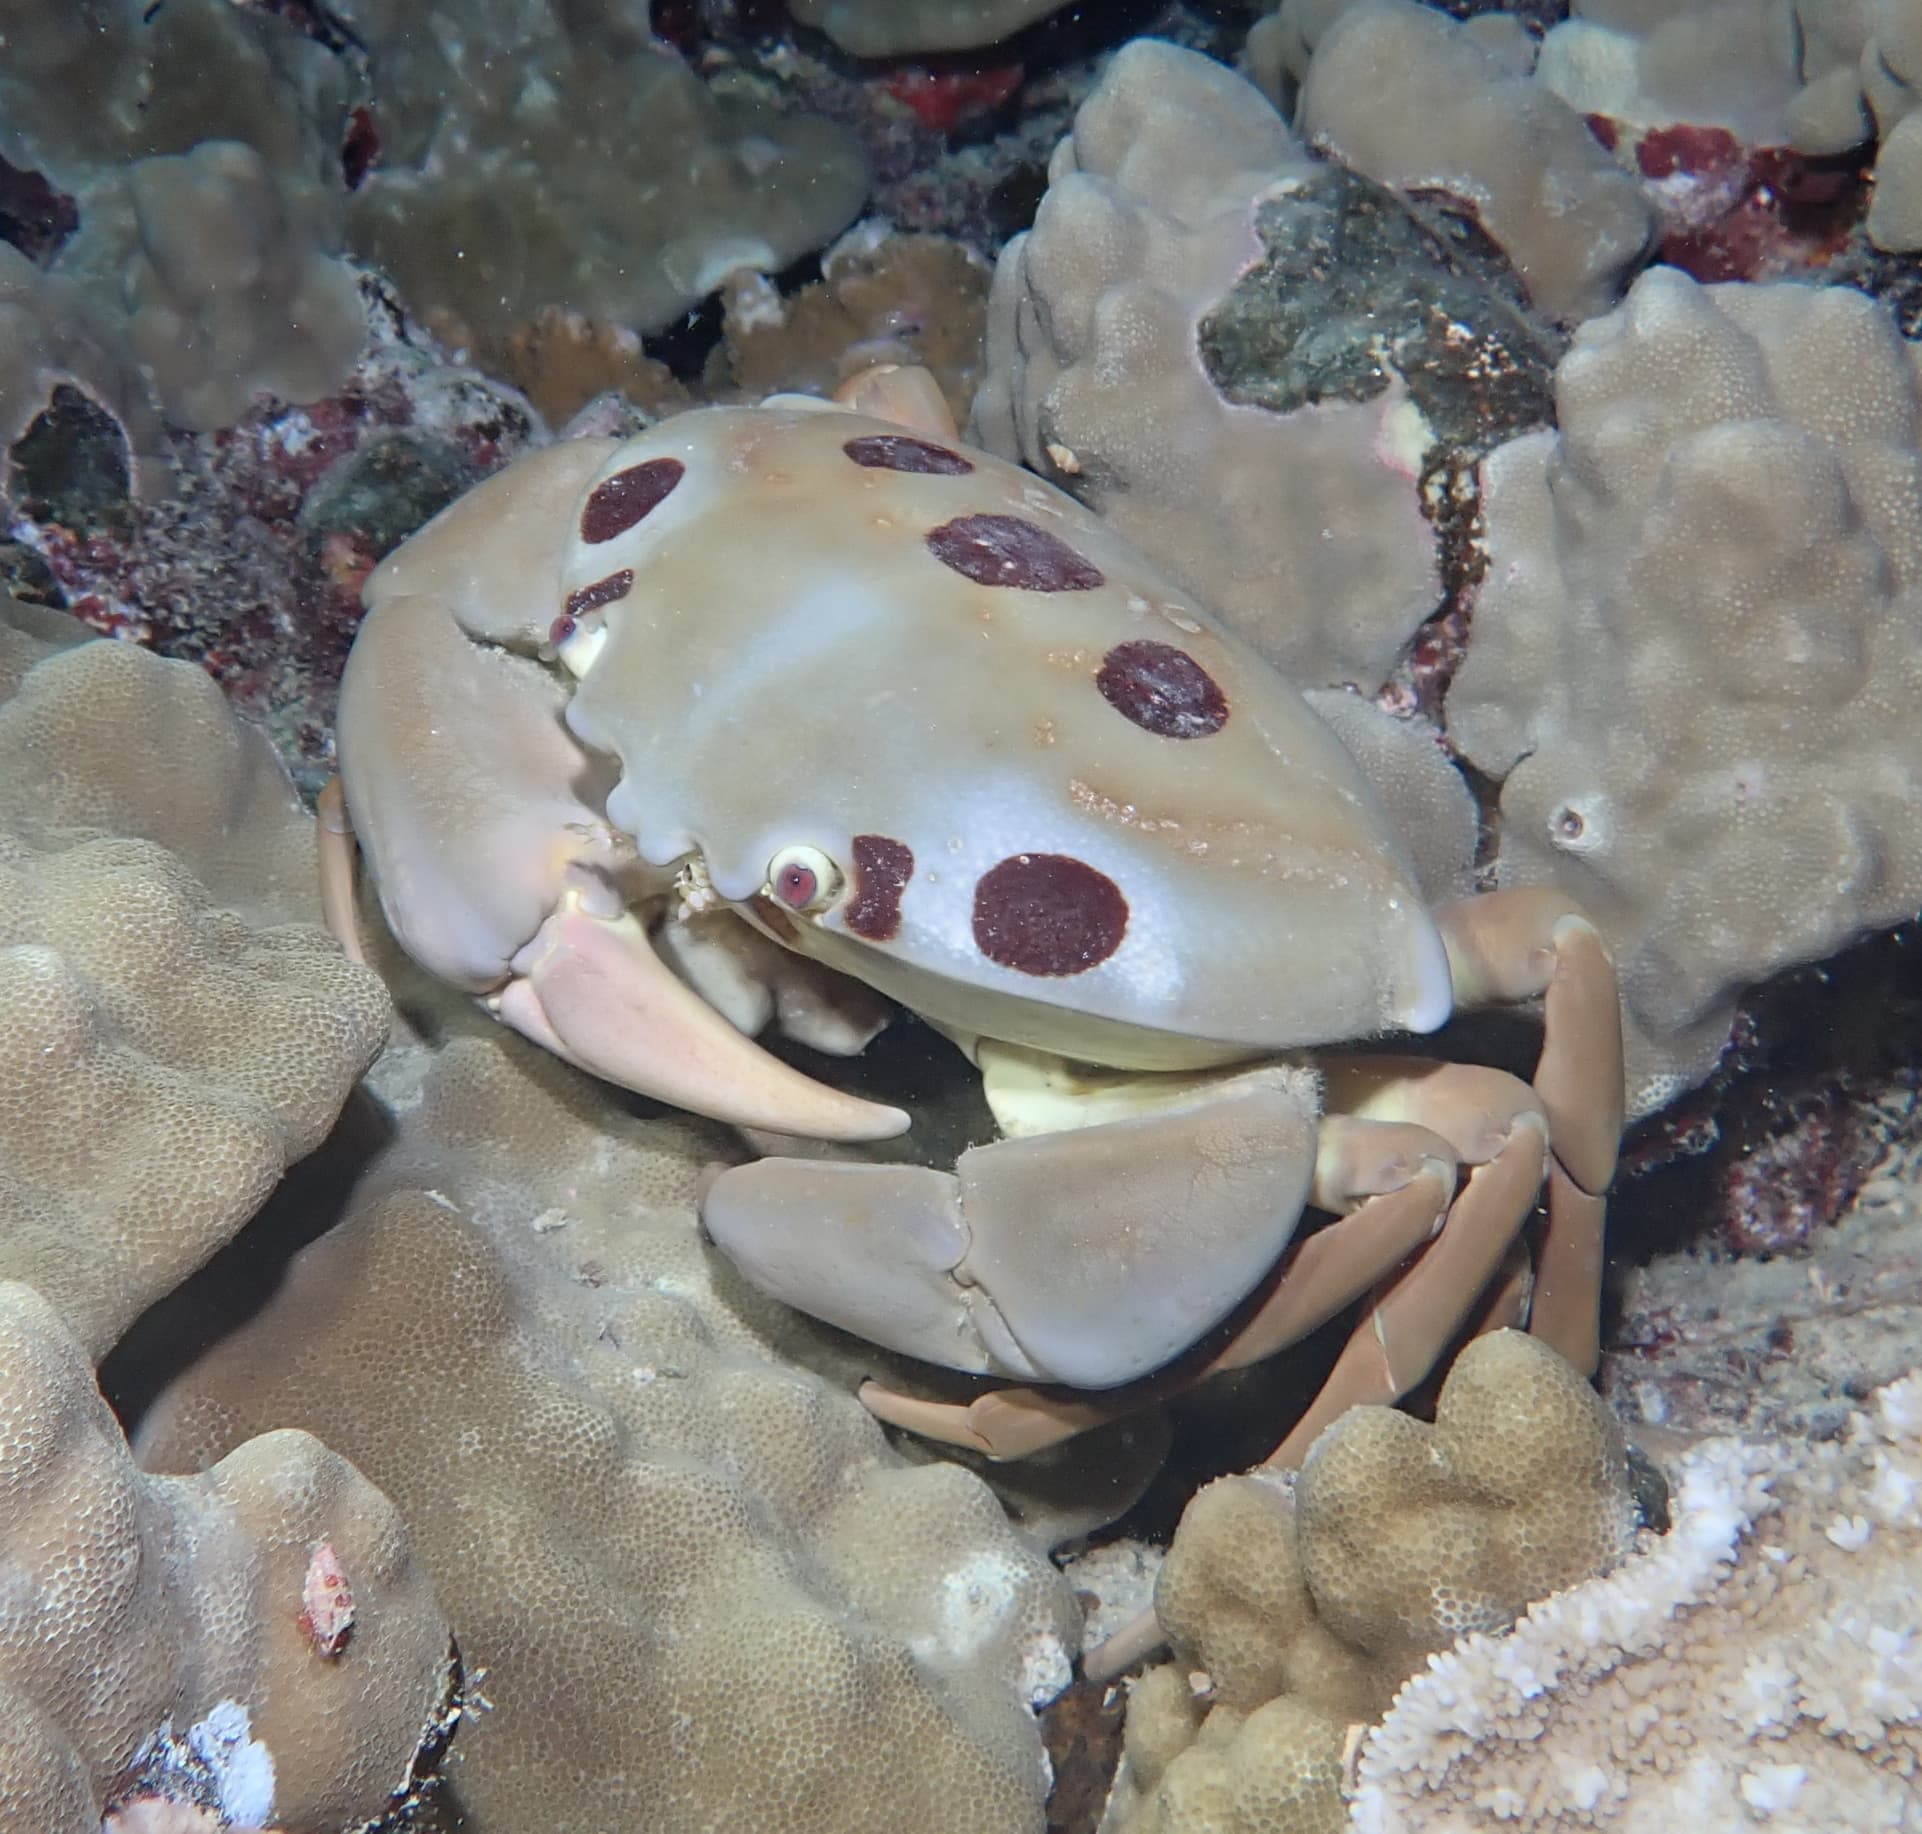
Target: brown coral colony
x: 1162, y: 689
x: 1048, y: 914
x: 616, y: 504
x: 1007, y: 551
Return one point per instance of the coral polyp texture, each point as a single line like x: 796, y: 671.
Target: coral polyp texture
x: 1697, y: 644
x: 702, y: 1589
x: 158, y: 1653
x: 1760, y: 1665
x: 1294, y: 1617
x: 700, y: 1584
x: 1822, y: 76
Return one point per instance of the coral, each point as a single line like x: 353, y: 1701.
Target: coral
x: 1709, y: 63
x: 585, y: 169
x: 699, y: 1582
x: 702, y: 1589
x: 1823, y: 77
x: 1759, y: 1664
x: 890, y: 28
x: 1862, y: 65
x: 170, y: 1040
x: 54, y: 335
x: 154, y: 1648
x: 88, y: 86
x: 1294, y: 1619
x: 515, y: 155
x: 1304, y: 528
x: 1698, y: 638
x: 881, y: 298
x: 1418, y: 101
x: 250, y: 563
x: 561, y: 361
x: 227, y: 292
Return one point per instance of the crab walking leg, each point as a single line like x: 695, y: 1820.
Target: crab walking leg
x: 1501, y: 1134
x: 498, y: 873
x: 1393, y: 1182
x: 1519, y: 945
x: 339, y: 889
x: 903, y: 393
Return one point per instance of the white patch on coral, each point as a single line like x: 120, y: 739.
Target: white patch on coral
x: 1849, y: 1533
x: 1772, y: 1787
x: 974, y: 1606
x: 243, y: 1768
x: 1121, y: 1576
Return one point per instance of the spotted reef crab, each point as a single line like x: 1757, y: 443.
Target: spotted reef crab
x: 769, y: 710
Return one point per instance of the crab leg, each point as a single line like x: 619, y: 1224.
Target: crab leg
x: 1091, y: 1255
x: 1493, y: 1121
x: 591, y: 989
x: 339, y: 899
x: 1519, y: 945
x: 900, y: 392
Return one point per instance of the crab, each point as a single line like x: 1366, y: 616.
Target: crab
x: 792, y: 714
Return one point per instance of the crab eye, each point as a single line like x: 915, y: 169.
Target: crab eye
x: 803, y: 878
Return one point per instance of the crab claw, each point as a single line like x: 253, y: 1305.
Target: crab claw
x: 591, y: 989
x: 1090, y: 1257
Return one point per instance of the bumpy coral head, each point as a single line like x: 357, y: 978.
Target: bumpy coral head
x: 920, y: 715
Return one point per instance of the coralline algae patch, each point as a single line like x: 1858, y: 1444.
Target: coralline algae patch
x: 251, y: 564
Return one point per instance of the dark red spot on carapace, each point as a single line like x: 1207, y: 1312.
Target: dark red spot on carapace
x: 882, y: 869
x: 1162, y: 689
x: 1007, y: 551
x: 601, y: 592
x: 1047, y: 913
x: 902, y: 452
x: 615, y: 504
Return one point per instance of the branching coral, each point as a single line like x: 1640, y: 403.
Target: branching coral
x: 1701, y: 632
x: 881, y: 298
